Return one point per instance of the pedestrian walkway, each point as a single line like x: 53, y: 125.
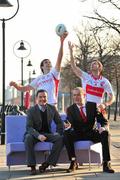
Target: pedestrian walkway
x: 59, y: 172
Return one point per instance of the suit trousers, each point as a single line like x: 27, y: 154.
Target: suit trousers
x: 70, y: 136
x: 52, y: 159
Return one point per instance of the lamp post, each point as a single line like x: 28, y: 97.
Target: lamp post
x: 22, y: 49
x: 27, y: 100
x: 29, y: 65
x: 33, y: 73
x: 4, y: 4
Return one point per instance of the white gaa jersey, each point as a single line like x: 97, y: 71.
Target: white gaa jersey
x: 95, y: 87
x: 48, y: 82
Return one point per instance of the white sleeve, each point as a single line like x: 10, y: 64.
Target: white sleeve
x: 108, y: 87
x: 85, y: 76
x: 34, y: 82
x: 55, y: 73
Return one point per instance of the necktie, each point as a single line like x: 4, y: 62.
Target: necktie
x: 84, y: 118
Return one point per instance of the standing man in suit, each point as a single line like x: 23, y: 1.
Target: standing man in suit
x: 38, y: 129
x: 81, y: 128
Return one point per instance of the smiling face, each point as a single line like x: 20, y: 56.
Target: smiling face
x: 41, y: 98
x: 45, y: 66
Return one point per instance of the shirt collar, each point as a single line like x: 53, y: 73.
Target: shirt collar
x: 42, y: 108
x: 79, y: 106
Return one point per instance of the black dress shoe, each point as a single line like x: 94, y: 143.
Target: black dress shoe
x: 73, y: 167
x: 107, y: 167
x: 33, y: 170
x: 43, y: 167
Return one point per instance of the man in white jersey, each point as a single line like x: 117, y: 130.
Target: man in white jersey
x: 50, y: 79
x: 95, y: 84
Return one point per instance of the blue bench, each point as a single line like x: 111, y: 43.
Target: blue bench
x: 87, y: 151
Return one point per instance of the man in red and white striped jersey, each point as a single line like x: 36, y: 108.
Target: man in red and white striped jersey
x: 49, y: 81
x: 94, y: 84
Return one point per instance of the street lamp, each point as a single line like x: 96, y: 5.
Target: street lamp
x: 34, y: 73
x: 29, y: 65
x: 4, y: 4
x: 22, y: 49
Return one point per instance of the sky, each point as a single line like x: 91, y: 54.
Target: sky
x: 35, y: 23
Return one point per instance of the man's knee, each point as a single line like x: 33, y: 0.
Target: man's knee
x: 105, y: 134
x: 59, y: 139
x: 28, y: 139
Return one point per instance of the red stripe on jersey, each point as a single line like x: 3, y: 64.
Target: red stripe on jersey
x: 56, y: 85
x: 96, y: 91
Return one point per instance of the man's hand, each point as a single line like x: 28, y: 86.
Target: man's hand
x: 101, y: 129
x: 70, y: 45
x: 62, y: 38
x: 67, y: 125
x: 12, y: 83
x: 101, y: 107
x: 42, y: 137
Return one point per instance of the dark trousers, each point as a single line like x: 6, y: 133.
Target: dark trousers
x: 93, y: 114
x: 70, y: 136
x: 30, y: 142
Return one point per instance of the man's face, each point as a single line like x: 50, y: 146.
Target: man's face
x: 95, y: 66
x: 46, y: 65
x: 78, y: 97
x: 42, y: 98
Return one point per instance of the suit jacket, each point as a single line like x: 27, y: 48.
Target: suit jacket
x: 34, y: 120
x: 73, y: 115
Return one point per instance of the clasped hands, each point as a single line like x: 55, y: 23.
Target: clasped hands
x: 67, y: 125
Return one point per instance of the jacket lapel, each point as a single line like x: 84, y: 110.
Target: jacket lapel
x: 77, y: 113
x: 49, y: 114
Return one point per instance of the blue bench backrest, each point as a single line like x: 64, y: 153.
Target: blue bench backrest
x: 15, y: 127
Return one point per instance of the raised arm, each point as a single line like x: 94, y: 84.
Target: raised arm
x: 75, y: 69
x: 20, y: 87
x: 60, y: 53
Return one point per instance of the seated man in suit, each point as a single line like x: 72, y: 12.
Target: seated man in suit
x: 38, y: 128
x: 80, y: 128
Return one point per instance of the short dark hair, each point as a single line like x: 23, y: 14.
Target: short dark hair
x: 41, y: 64
x: 39, y: 91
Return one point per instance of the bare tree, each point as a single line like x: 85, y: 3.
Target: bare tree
x: 107, y: 23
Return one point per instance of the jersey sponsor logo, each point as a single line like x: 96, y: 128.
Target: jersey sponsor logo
x: 44, y: 82
x: 102, y: 83
x: 95, y: 91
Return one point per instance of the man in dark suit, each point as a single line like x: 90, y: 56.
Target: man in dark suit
x: 38, y: 128
x: 79, y: 127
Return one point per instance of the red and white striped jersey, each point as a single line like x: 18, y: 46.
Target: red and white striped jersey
x: 95, y: 87
x: 48, y: 82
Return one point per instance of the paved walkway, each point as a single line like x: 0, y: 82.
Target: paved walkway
x: 22, y: 172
